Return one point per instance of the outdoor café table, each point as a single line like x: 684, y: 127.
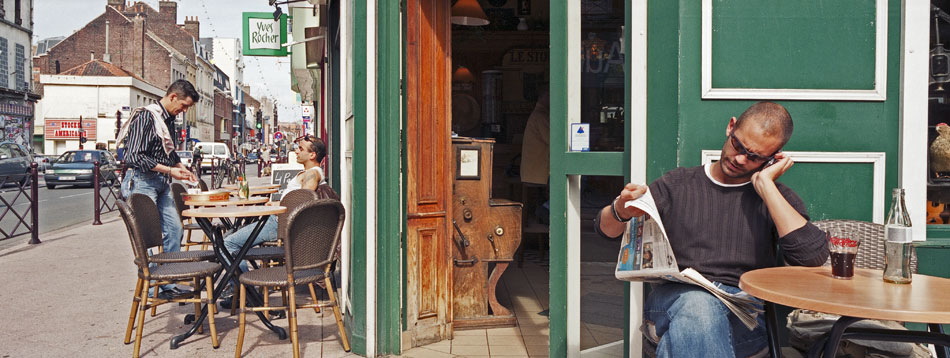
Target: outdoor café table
x: 262, y: 186
x: 229, y: 202
x: 866, y: 296
x: 204, y: 217
x: 257, y: 192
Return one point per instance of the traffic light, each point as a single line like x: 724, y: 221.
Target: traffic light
x: 260, y: 121
x: 82, y: 139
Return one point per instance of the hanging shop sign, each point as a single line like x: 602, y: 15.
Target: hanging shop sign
x: 263, y: 36
x: 69, y: 129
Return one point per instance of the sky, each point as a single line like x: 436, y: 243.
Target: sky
x: 267, y: 76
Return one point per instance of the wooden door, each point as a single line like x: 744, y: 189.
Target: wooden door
x: 428, y: 168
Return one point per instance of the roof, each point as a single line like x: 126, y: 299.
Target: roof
x: 99, y: 68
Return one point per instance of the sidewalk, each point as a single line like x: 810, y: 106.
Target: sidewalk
x: 72, y: 294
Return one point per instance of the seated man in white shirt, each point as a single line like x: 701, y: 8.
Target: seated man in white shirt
x: 310, y: 152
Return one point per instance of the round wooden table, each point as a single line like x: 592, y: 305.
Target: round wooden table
x: 866, y: 296
x: 262, y: 186
x: 256, y: 192
x: 229, y: 202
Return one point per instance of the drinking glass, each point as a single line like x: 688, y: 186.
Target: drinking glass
x: 844, y: 248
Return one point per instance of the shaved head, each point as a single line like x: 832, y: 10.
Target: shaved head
x: 771, y: 117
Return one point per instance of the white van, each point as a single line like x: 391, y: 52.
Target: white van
x: 213, y: 150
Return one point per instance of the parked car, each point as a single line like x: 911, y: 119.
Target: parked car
x: 212, y: 150
x: 185, y: 157
x: 252, y: 157
x: 14, y: 160
x: 75, y: 167
x: 42, y: 162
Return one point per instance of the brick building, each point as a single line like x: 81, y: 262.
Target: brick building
x: 146, y: 42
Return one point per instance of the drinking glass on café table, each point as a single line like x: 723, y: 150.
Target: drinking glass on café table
x: 844, y: 249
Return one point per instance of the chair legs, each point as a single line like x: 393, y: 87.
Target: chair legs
x: 143, y: 308
x: 313, y: 296
x: 336, y: 313
x: 135, y: 307
x: 241, y: 321
x: 214, y: 332
x: 292, y: 317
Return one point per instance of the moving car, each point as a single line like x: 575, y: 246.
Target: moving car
x: 251, y: 157
x: 14, y: 160
x: 75, y: 168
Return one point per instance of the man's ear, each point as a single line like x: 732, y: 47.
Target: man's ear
x: 731, y: 127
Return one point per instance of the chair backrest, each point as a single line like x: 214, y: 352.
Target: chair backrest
x: 177, y: 193
x: 325, y: 191
x: 202, y: 185
x: 146, y: 224
x: 313, y: 232
x: 871, y: 252
x: 138, y: 251
x: 291, y: 201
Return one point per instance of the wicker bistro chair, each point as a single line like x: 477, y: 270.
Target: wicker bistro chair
x: 871, y: 252
x: 145, y: 233
x: 202, y: 185
x: 267, y: 253
x: 313, y: 232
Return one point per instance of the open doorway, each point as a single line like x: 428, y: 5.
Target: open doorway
x: 500, y: 76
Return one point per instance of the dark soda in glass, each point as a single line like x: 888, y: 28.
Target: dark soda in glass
x: 842, y: 264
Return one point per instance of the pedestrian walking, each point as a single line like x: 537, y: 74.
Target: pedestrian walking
x: 152, y: 161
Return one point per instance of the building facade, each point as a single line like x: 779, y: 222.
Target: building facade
x: 96, y: 96
x: 17, y: 95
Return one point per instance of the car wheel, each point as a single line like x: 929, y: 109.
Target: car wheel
x: 50, y: 186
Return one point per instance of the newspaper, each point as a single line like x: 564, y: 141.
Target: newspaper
x: 646, y: 256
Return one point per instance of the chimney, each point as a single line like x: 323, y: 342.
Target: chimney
x: 92, y: 55
x: 191, y: 26
x: 105, y: 56
x: 169, y: 11
x: 117, y: 4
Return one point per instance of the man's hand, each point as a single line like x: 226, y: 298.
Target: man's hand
x: 767, y: 176
x: 630, y: 192
x: 182, y: 174
x: 608, y: 223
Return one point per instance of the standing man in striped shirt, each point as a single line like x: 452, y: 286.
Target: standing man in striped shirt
x: 153, y: 163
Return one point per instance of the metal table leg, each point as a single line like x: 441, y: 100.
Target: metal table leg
x: 229, y: 275
x: 771, y: 327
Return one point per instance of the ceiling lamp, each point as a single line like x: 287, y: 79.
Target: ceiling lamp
x: 468, y: 13
x: 462, y: 74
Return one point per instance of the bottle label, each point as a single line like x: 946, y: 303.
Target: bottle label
x: 899, y: 234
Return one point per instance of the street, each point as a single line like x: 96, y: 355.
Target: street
x: 59, y: 208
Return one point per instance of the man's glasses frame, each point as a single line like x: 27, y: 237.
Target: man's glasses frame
x: 742, y: 150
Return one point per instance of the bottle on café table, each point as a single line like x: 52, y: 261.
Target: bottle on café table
x: 898, y: 241
x: 245, y: 188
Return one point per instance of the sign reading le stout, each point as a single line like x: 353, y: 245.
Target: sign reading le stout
x: 263, y: 36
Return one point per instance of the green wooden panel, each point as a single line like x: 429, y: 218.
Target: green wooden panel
x: 389, y: 217
x: 663, y: 87
x: 799, y: 44
x: 834, y: 190
x: 357, y: 214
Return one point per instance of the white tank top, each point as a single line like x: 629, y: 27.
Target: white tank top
x: 296, y: 184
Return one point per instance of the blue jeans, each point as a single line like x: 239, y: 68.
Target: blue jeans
x: 155, y: 186
x: 691, y: 322
x: 236, y: 240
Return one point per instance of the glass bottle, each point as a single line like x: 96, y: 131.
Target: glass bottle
x: 245, y: 189
x: 898, y: 241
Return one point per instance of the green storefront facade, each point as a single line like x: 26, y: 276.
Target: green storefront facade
x: 853, y: 74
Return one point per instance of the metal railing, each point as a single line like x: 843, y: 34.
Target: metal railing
x: 20, y: 208
x: 105, y: 201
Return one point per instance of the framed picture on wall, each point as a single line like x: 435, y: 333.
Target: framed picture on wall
x: 524, y: 7
x: 468, y: 167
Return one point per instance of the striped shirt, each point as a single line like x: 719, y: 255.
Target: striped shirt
x: 143, y: 148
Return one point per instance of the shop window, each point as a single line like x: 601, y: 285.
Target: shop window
x: 602, y: 74
x: 938, y: 173
x: 16, y: 13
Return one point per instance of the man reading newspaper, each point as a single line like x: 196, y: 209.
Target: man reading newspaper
x: 722, y: 220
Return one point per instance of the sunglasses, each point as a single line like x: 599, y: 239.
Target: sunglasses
x: 305, y: 137
x: 742, y: 150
